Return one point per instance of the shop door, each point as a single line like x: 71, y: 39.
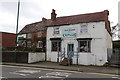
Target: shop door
x: 70, y: 50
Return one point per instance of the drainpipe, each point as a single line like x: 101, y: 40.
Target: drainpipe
x: 46, y: 45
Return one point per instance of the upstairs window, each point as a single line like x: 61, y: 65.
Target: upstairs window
x: 39, y: 34
x: 84, y: 29
x: 29, y: 35
x: 56, y: 30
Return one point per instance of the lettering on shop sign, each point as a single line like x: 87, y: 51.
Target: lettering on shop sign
x: 69, y: 32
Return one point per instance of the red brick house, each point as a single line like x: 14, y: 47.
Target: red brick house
x: 7, y: 39
x: 33, y: 36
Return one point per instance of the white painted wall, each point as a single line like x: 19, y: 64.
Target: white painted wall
x: 36, y: 57
x: 101, y: 40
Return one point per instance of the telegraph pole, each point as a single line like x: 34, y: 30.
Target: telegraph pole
x: 17, y: 20
x: 17, y: 27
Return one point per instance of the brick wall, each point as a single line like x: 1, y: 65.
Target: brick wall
x: 8, y: 39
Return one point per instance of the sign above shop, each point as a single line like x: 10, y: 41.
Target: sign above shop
x: 69, y: 32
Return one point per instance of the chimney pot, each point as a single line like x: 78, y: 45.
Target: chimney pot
x: 106, y: 11
x: 44, y: 19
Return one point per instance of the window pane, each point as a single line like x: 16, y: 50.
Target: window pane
x: 84, y: 46
x: 29, y: 44
x: 83, y: 29
x: 40, y: 44
x: 56, y: 45
x: 29, y: 35
x: 56, y: 30
x: 39, y: 34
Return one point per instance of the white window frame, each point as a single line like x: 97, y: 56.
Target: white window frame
x: 39, y: 34
x: 88, y: 46
x: 29, y: 35
x: 84, y: 28
x: 56, y: 31
x: 29, y: 44
x: 40, y: 44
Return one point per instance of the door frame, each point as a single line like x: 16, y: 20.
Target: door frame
x: 70, y: 48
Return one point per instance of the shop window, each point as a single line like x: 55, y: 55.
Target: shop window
x: 56, y: 30
x: 84, y: 29
x: 84, y: 45
x: 56, y: 46
x: 40, y: 44
x: 29, y: 35
x: 29, y: 44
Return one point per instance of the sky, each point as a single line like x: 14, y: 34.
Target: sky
x: 34, y: 10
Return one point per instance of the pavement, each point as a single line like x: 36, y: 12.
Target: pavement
x: 80, y: 68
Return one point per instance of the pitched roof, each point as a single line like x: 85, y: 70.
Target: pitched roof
x: 35, y: 27
x: 66, y: 20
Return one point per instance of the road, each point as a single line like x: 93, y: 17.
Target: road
x: 26, y: 73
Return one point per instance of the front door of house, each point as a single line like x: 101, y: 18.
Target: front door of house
x: 70, y: 50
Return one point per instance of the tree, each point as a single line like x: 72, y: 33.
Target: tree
x: 116, y: 31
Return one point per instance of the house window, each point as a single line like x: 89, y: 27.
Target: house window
x: 56, y: 30
x: 84, y: 45
x: 39, y: 34
x: 29, y: 44
x: 29, y: 35
x: 84, y: 29
x: 22, y: 43
x: 56, y: 45
x: 40, y: 44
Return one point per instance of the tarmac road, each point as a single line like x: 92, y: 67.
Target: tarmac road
x: 25, y: 73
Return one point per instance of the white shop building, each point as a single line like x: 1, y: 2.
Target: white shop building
x: 84, y: 38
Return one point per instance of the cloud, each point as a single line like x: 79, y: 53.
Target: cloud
x: 33, y: 10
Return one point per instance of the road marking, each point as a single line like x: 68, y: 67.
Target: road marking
x: 114, y: 77
x: 56, y: 75
x: 49, y: 77
x: 2, y: 77
x: 62, y: 70
x: 19, y: 73
x: 42, y: 68
x: 59, y: 74
x: 28, y: 71
x: 101, y: 74
x: 25, y: 72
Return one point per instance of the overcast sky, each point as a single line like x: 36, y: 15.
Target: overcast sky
x: 33, y: 10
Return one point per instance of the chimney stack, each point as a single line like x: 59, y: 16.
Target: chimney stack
x: 53, y: 15
x: 106, y: 11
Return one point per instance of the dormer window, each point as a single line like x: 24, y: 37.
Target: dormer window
x: 84, y: 29
x: 56, y: 30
